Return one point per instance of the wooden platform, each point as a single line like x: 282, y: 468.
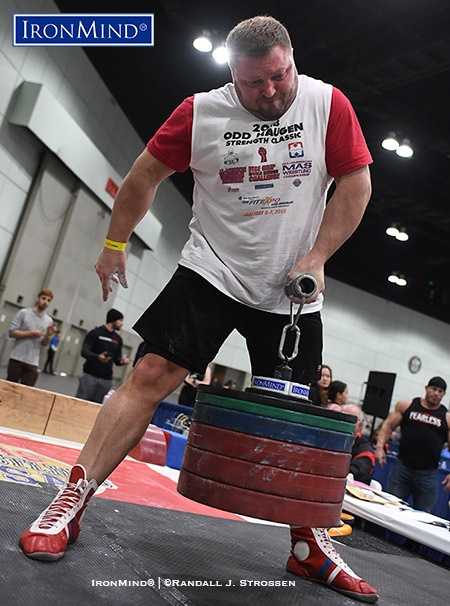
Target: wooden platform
x: 45, y: 412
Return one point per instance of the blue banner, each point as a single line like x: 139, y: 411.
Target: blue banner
x: 82, y: 29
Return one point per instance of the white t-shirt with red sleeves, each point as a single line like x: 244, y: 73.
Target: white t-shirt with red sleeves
x: 260, y: 187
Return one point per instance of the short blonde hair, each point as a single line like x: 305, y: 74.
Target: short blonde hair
x: 255, y: 37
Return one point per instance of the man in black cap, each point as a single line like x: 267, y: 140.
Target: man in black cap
x: 101, y: 347
x: 425, y: 427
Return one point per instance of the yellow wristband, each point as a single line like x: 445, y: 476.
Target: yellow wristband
x: 114, y: 245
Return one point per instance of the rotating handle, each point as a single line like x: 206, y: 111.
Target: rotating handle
x: 301, y: 287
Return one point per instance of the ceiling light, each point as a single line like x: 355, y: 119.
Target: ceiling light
x: 203, y: 43
x: 398, y: 279
x: 399, y: 233
x: 393, y: 230
x: 393, y: 278
x: 220, y: 54
x: 402, y: 235
x: 390, y: 143
x: 405, y: 150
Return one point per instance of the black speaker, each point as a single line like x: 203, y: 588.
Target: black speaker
x: 377, y: 399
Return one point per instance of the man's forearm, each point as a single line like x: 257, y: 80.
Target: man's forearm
x: 383, y: 436
x: 22, y: 334
x: 343, y: 213
x: 136, y: 195
x: 132, y: 202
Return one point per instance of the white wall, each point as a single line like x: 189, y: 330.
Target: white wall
x: 361, y: 332
x: 69, y: 77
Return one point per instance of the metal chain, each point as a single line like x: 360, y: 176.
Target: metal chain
x: 293, y: 327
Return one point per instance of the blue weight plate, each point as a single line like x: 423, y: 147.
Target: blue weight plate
x: 275, y: 429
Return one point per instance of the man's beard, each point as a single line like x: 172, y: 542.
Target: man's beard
x: 433, y: 400
x: 272, y: 112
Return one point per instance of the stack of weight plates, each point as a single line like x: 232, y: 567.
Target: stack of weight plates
x: 269, y: 458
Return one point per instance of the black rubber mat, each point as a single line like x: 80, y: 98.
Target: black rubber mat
x: 130, y: 555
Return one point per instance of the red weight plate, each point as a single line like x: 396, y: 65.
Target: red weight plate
x: 285, y: 455
x: 258, y: 505
x: 262, y: 478
x: 274, y: 429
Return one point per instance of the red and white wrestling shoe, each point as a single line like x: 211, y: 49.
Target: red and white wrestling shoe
x: 314, y: 557
x: 59, y: 524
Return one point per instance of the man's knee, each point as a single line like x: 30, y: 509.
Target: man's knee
x: 155, y: 372
x: 153, y: 365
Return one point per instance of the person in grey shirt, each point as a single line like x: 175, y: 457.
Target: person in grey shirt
x: 31, y: 328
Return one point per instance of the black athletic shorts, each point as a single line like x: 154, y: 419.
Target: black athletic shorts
x: 190, y: 319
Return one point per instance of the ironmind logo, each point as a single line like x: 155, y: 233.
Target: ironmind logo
x: 82, y: 29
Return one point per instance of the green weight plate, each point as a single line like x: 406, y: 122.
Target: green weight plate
x: 277, y: 401
x: 276, y: 413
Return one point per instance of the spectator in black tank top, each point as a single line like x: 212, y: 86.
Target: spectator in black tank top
x: 425, y: 425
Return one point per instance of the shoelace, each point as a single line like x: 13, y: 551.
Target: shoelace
x: 67, y: 499
x: 327, y: 546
